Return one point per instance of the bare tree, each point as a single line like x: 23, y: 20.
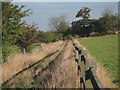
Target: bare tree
x: 59, y: 23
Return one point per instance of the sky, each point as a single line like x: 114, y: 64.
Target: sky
x: 66, y: 0
x: 42, y: 11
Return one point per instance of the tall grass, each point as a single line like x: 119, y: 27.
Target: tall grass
x: 18, y: 61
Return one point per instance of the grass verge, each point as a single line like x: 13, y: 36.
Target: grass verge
x: 105, y: 51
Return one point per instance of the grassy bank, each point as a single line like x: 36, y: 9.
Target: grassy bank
x: 105, y: 51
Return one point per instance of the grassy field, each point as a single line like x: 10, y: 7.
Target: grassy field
x: 105, y: 51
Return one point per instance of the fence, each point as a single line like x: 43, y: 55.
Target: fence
x: 86, y: 69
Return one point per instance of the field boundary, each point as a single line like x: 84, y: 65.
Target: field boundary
x: 30, y: 66
x: 87, y: 68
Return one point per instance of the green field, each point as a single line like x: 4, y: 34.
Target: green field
x: 105, y: 51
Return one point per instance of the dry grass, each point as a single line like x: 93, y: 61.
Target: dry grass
x: 19, y: 61
x: 65, y: 74
x: 62, y: 73
x: 103, y: 77
x: 26, y: 79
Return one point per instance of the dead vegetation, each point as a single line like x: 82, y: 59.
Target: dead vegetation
x: 19, y: 61
x: 56, y: 71
x: 104, y: 78
x: 61, y: 73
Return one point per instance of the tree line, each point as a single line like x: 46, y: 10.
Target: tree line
x: 16, y: 32
x: 85, y: 26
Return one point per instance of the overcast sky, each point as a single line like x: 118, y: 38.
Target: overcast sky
x: 42, y: 11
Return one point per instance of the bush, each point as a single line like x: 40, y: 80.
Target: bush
x: 5, y: 51
x: 52, y: 37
